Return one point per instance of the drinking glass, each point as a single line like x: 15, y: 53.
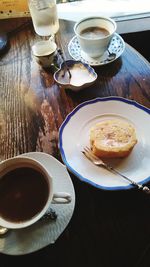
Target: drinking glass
x: 44, y: 16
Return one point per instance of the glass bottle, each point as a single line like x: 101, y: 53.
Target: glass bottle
x: 44, y: 16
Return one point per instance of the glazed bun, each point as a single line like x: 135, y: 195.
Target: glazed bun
x: 113, y: 138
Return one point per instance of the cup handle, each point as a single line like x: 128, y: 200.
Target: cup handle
x: 61, y: 198
x: 52, y: 38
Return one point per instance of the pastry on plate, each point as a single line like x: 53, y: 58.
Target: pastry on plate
x: 113, y: 138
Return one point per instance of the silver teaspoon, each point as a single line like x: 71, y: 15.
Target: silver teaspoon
x: 111, y: 55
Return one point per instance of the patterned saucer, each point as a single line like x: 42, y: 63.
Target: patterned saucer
x: 117, y: 46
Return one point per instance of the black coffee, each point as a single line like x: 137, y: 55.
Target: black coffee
x: 94, y: 32
x: 23, y: 193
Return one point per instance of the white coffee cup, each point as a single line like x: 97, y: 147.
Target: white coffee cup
x: 94, y: 34
x: 44, y: 52
x: 26, y: 192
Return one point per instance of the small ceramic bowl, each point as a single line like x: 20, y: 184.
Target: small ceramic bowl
x: 82, y: 75
x: 44, y: 52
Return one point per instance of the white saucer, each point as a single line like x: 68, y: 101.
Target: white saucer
x: 43, y: 232
x: 117, y: 46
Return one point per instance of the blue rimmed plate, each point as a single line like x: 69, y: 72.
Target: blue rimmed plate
x: 74, y: 136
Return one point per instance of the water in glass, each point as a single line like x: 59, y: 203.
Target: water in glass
x: 44, y: 16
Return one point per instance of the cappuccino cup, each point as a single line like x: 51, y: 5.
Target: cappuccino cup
x: 94, y: 34
x: 26, y: 192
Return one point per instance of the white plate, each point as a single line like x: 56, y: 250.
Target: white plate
x: 74, y: 136
x: 117, y: 46
x: 45, y: 232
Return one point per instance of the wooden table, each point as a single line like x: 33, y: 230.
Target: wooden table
x: 107, y: 228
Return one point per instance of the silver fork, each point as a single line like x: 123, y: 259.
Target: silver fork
x: 98, y: 162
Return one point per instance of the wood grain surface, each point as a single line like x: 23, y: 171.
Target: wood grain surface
x: 107, y: 228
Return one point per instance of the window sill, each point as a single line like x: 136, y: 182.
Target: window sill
x: 128, y: 17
